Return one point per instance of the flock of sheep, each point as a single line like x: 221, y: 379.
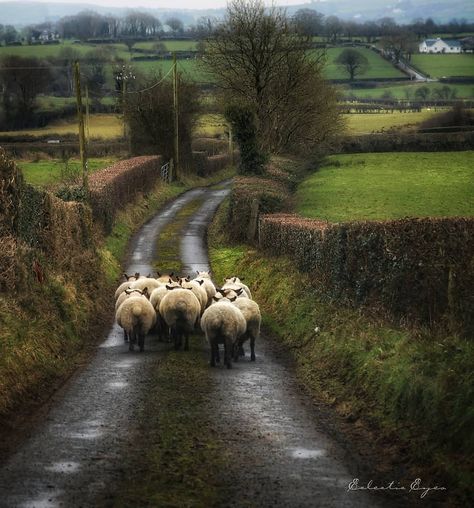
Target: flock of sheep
x: 174, y: 307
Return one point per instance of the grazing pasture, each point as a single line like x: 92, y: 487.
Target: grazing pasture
x: 378, y: 67
x: 438, y: 66
x: 47, y: 172
x: 366, y: 123
x: 390, y: 186
x: 102, y: 126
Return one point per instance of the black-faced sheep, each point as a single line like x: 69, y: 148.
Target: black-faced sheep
x: 222, y: 323
x: 136, y: 316
x: 181, y: 310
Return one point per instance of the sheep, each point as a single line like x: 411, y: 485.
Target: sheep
x: 204, y: 279
x: 155, y: 299
x: 126, y: 294
x: 235, y: 281
x: 180, y: 309
x: 126, y: 284
x: 251, y: 312
x: 146, y: 282
x: 164, y: 278
x: 136, y: 316
x: 197, y: 289
x: 222, y: 322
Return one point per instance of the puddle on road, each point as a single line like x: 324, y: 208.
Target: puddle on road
x: 117, y: 384
x: 48, y: 499
x: 63, y: 467
x: 305, y: 453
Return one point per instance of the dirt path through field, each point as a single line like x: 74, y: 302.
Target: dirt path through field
x: 276, y: 451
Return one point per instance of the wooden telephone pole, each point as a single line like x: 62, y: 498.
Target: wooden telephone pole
x: 82, y: 136
x: 176, y: 117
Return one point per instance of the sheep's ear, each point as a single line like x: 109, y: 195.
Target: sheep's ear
x: 232, y: 299
x: 239, y: 291
x: 128, y: 291
x: 148, y: 276
x: 169, y: 288
x: 209, y: 272
x: 171, y: 274
x: 170, y: 280
x: 145, y: 292
x: 188, y: 278
x: 158, y: 273
x: 234, y: 279
x: 200, y: 282
x: 125, y: 275
x: 197, y: 271
x: 137, y: 275
x: 221, y: 291
x: 215, y: 299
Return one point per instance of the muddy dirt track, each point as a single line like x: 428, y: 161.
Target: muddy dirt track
x: 281, y: 456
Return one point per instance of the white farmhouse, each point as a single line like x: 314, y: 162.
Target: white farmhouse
x: 440, y: 46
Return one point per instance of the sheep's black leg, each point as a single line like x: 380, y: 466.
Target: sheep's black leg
x: 177, y: 339
x: 125, y: 336
x: 186, y: 341
x: 214, y: 353
x: 131, y: 341
x: 141, y: 342
x: 228, y: 354
x: 252, y: 349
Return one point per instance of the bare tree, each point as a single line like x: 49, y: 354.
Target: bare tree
x: 353, y: 62
x: 262, y: 62
x: 308, y: 22
x: 175, y: 24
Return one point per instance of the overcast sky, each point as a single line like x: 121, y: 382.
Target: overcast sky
x: 177, y: 4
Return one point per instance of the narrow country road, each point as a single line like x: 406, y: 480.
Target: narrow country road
x: 280, y: 453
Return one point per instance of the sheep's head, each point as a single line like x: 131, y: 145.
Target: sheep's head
x: 205, y: 275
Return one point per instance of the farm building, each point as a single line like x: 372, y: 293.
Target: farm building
x: 440, y: 46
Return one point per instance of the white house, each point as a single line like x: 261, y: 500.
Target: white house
x: 440, y: 46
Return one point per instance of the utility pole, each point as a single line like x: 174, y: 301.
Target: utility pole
x: 80, y: 118
x: 231, y: 147
x: 176, y: 117
x: 88, y: 134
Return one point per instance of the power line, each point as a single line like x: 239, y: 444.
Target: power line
x: 154, y: 85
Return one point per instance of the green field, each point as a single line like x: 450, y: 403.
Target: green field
x: 101, y: 126
x: 378, y: 67
x: 366, y: 123
x: 50, y: 172
x: 390, y: 186
x: 438, y: 66
x: 404, y: 91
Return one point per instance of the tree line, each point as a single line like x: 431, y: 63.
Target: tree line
x: 91, y: 25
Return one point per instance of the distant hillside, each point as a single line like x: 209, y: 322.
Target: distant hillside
x: 403, y: 11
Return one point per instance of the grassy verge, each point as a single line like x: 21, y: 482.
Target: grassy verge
x: 375, y: 186
x: 412, y: 389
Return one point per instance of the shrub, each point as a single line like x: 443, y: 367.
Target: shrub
x: 242, y: 118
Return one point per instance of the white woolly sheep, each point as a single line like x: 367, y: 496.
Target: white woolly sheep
x: 233, y: 282
x: 207, y: 285
x: 197, y: 289
x: 146, y: 282
x: 222, y: 323
x: 125, y: 285
x: 180, y: 309
x: 136, y: 316
x: 251, y: 312
x: 155, y: 299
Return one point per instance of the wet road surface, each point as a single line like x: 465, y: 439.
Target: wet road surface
x: 280, y: 457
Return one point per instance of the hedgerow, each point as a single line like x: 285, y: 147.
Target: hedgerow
x: 418, y: 271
